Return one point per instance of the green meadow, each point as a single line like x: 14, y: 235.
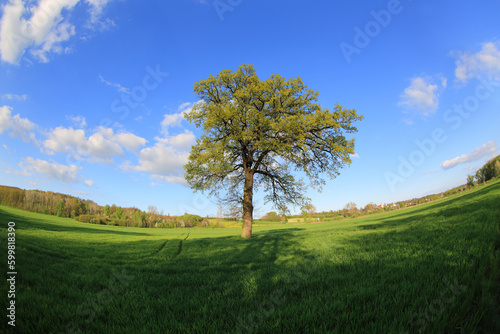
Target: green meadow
x: 427, y: 269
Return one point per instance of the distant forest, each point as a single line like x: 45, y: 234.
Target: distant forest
x: 88, y: 211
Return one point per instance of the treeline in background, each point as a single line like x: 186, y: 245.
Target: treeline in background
x: 87, y: 211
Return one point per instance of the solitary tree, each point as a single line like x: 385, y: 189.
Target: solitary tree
x: 255, y: 131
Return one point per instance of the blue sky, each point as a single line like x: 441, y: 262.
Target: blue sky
x: 92, y: 92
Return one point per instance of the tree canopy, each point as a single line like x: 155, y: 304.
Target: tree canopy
x: 257, y: 132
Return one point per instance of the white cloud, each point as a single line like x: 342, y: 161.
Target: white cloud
x: 420, y: 96
x: 44, y: 27
x: 52, y: 42
x: 89, y: 183
x: 78, y: 120
x: 51, y: 170
x: 102, y: 146
x: 182, y: 141
x: 64, y: 139
x: 185, y: 106
x: 43, y: 31
x: 102, y: 149
x: 130, y: 141
x: 407, y: 121
x: 165, y: 160
x: 355, y: 155
x: 95, y: 22
x: 15, y: 97
x: 478, y: 153
x: 444, y: 82
x: 171, y: 120
x: 18, y: 126
x: 175, y: 119
x: 484, y: 62
x: 161, y: 159
x: 119, y: 87
x: 170, y: 179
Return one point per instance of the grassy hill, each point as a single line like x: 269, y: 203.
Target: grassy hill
x: 431, y: 268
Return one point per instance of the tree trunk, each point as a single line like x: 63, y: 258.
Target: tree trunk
x: 247, y: 205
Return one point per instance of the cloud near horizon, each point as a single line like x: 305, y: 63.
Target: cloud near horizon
x: 52, y: 170
x: 482, y: 151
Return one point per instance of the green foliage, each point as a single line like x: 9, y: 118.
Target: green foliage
x: 255, y: 131
x: 489, y: 171
x: 272, y: 216
x: 119, y: 213
x: 137, y: 216
x: 190, y: 220
x: 106, y: 210
x: 470, y: 180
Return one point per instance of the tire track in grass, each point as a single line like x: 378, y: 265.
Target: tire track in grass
x: 161, y: 248
x: 180, y: 247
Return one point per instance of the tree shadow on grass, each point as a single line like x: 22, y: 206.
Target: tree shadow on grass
x: 369, y: 282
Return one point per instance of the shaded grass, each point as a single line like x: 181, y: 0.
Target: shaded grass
x: 388, y: 273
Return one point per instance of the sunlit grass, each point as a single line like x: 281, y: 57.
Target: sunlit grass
x: 429, y: 268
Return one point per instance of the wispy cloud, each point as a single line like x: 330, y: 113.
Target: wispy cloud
x: 119, y: 87
x: 482, y: 151
x: 175, y: 119
x: 78, y: 120
x: 484, y: 62
x: 14, y: 97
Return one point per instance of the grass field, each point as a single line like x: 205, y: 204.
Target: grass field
x: 429, y: 269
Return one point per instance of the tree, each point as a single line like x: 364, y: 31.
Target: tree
x: 470, y: 181
x: 310, y: 209
x: 256, y: 131
x: 137, y: 217
x: 271, y: 216
x: 480, y: 176
x: 351, y: 207
x: 370, y: 207
x: 119, y: 213
x: 106, y: 210
x: 152, y: 215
